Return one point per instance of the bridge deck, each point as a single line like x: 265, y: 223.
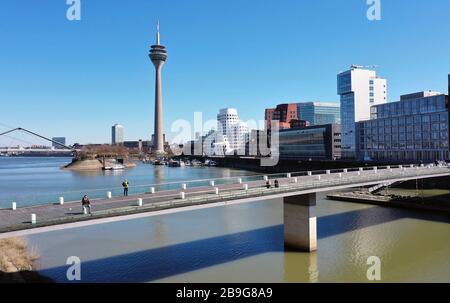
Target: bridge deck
x: 51, y: 214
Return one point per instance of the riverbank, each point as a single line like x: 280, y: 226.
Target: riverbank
x: 93, y: 164
x: 286, y: 165
x: 397, y: 198
x: 17, y: 263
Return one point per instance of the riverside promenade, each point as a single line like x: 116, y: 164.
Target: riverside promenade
x: 211, y: 194
x: 56, y: 213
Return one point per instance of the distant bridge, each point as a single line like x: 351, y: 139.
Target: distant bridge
x: 298, y: 191
x: 34, y: 150
x: 20, y: 150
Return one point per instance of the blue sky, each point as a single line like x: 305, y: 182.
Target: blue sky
x: 78, y: 78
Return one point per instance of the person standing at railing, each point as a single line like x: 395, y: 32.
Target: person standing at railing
x: 125, y: 185
x: 86, y: 203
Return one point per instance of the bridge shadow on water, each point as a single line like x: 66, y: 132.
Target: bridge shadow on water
x: 159, y: 263
x: 332, y: 225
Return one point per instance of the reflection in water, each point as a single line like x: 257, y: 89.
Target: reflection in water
x: 40, y: 180
x: 98, y: 173
x: 301, y: 266
x: 119, y: 172
x: 203, y: 246
x: 159, y: 232
x: 313, y: 269
x: 236, y: 243
x: 159, y: 174
x: 87, y: 173
x: 176, y: 259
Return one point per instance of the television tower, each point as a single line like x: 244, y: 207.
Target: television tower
x: 158, y: 55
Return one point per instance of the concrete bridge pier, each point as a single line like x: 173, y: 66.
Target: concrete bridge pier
x: 300, y: 222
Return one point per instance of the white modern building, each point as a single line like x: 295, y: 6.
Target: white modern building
x: 232, y: 134
x: 208, y: 142
x: 117, y: 134
x: 359, y: 88
x: 221, y: 146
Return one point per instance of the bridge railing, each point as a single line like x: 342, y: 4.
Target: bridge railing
x: 347, y: 175
x: 295, y: 187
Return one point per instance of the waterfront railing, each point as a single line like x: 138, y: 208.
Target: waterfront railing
x: 309, y: 179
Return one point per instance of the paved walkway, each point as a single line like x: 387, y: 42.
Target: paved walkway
x: 52, y: 214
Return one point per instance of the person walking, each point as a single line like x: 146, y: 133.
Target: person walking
x: 125, y: 185
x: 86, y: 203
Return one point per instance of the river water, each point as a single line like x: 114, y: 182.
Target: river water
x: 239, y: 243
x: 31, y: 181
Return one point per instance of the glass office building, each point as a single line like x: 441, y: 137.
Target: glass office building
x: 117, y: 136
x: 414, y: 129
x: 359, y: 89
x: 319, y: 113
x: 312, y: 142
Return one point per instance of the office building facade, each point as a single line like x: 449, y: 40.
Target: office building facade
x: 117, y: 134
x: 320, y: 142
x: 282, y: 115
x: 416, y: 128
x: 268, y: 117
x: 359, y: 89
x: 319, y: 113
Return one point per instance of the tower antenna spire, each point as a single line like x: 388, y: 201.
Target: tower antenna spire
x: 158, y: 55
x: 158, y: 38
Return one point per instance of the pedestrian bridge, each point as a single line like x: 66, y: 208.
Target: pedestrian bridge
x: 34, y: 150
x: 298, y: 191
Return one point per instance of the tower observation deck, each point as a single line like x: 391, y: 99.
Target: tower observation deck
x: 158, y: 55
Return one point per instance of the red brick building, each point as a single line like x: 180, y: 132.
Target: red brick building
x: 283, y: 113
x: 299, y: 123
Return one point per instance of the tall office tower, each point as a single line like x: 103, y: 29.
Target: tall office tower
x: 158, y: 55
x: 359, y: 88
x: 117, y: 136
x: 319, y: 113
